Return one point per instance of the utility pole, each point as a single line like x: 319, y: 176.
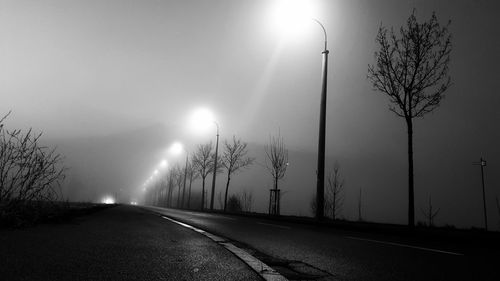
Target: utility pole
x: 482, y: 163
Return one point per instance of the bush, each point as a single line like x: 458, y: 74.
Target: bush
x: 30, y: 174
x: 234, y: 204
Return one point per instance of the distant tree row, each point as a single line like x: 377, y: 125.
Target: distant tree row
x: 202, y: 163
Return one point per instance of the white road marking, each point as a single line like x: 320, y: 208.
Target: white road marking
x: 275, y: 225
x: 258, y: 266
x: 404, y: 245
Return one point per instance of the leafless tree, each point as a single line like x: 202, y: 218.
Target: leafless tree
x: 234, y: 203
x: 220, y: 200
x: 276, y: 163
x: 172, y: 176
x: 29, y: 172
x: 233, y: 159
x: 192, y: 174
x: 334, y: 195
x: 412, y: 69
x: 360, y: 204
x: 246, y: 200
x: 430, y: 213
x: 179, y: 180
x: 204, y: 164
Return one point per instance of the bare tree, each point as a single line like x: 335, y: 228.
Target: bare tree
x: 234, y: 203
x: 360, y: 204
x: 430, y: 213
x: 179, y: 180
x: 29, y: 172
x: 246, y: 200
x: 203, y: 162
x: 233, y: 159
x: 172, y: 175
x: 334, y: 196
x: 220, y: 200
x: 276, y: 163
x: 412, y: 69
x: 192, y: 174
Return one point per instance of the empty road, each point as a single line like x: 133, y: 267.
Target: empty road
x: 327, y: 253
x: 118, y: 243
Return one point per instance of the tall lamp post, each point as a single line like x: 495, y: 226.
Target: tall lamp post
x: 215, y: 167
x: 185, y: 175
x: 320, y: 173
x: 482, y: 163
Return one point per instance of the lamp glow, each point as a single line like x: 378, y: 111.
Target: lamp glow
x: 201, y: 120
x: 292, y: 17
x: 108, y: 200
x: 176, y: 148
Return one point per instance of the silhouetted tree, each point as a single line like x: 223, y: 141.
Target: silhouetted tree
x: 334, y: 196
x: 172, y: 175
x: 203, y: 163
x: 412, y: 69
x: 29, y: 171
x: 193, y: 175
x: 246, y: 199
x: 276, y: 163
x: 234, y: 204
x: 430, y: 213
x: 178, y: 173
x: 233, y: 159
x: 220, y: 200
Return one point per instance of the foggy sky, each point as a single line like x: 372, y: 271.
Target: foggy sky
x: 112, y: 83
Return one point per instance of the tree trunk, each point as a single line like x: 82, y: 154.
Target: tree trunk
x: 227, y: 187
x: 202, y: 193
x: 334, y: 203
x: 189, y: 194
x: 411, y: 197
x: 276, y: 203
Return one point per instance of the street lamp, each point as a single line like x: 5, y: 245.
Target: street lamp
x: 482, y: 163
x: 290, y: 16
x: 215, y: 167
x: 320, y: 182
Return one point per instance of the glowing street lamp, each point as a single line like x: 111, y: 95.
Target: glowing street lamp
x: 163, y: 164
x: 291, y: 14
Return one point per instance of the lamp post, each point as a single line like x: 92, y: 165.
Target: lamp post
x: 320, y: 173
x: 215, y: 167
x: 185, y: 175
x: 482, y: 163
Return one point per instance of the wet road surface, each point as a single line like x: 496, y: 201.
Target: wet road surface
x: 333, y: 254
x: 119, y: 243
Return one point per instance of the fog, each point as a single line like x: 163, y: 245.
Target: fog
x: 112, y: 84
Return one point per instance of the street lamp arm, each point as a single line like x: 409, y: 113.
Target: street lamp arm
x: 324, y: 31
x: 217, y: 125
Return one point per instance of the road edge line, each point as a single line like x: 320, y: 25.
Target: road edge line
x: 264, y: 271
x: 405, y: 246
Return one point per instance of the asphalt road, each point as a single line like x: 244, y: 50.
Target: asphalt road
x: 119, y: 243
x: 327, y: 253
